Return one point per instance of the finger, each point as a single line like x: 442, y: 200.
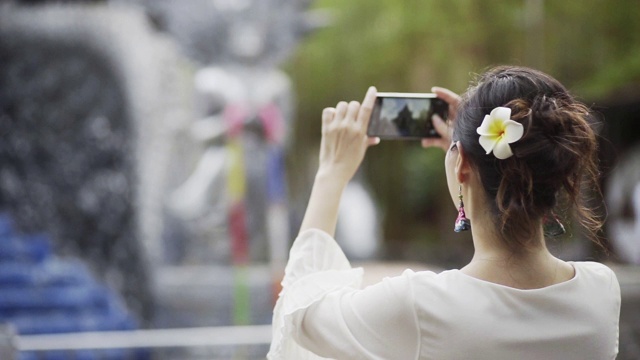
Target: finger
x: 328, y: 114
x: 435, y: 142
x: 447, y: 95
x: 373, y: 141
x: 430, y: 142
x: 352, y: 111
x: 341, y: 111
x: 441, y: 126
x: 364, y: 115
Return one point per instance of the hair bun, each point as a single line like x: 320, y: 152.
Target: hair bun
x: 556, y: 157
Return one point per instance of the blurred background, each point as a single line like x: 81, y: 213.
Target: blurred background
x: 156, y: 156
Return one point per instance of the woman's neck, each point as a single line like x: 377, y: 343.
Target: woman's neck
x: 530, y: 268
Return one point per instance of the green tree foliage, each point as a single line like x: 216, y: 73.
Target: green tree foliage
x: 593, y: 46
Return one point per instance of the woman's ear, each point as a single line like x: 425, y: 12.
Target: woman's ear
x: 462, y: 167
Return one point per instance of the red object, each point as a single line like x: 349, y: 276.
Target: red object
x: 239, y: 235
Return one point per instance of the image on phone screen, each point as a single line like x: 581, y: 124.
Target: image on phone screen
x: 405, y: 116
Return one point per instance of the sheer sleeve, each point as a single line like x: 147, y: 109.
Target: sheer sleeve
x: 322, y: 312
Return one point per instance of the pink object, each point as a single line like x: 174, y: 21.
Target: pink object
x: 234, y: 117
x: 272, y: 122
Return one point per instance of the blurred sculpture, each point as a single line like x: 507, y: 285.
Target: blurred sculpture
x: 236, y: 189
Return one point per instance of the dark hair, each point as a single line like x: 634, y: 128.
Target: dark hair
x: 555, y: 158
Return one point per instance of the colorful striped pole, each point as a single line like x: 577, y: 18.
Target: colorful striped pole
x: 236, y: 187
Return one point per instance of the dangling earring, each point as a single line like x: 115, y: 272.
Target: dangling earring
x: 552, y: 225
x: 462, y: 223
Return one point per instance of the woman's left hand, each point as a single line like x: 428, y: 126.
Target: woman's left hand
x: 344, y: 137
x: 444, y: 129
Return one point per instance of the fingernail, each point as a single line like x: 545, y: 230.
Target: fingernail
x: 433, y: 89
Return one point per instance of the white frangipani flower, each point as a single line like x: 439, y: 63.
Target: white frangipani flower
x: 497, y: 131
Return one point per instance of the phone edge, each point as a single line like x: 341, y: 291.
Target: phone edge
x: 407, y: 95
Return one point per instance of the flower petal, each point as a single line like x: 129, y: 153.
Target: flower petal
x: 502, y: 150
x: 513, y: 131
x: 502, y: 113
x: 485, y: 127
x: 488, y: 142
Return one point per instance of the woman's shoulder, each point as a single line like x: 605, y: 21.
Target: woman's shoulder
x: 591, y: 272
x: 592, y: 268
x: 413, y: 279
x: 439, y: 280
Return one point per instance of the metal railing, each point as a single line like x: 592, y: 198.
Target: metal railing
x: 10, y: 343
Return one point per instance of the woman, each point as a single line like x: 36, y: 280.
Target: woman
x: 521, y: 143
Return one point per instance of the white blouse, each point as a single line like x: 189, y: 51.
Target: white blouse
x: 322, y: 313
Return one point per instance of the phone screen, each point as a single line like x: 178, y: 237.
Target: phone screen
x: 405, y: 115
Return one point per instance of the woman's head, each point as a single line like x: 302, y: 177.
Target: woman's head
x: 555, y: 158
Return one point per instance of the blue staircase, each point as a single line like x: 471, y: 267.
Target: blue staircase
x: 44, y: 294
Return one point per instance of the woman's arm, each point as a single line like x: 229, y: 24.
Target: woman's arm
x: 320, y: 307
x: 378, y: 322
x: 342, y: 148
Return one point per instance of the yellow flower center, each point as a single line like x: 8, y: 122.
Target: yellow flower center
x: 498, y: 128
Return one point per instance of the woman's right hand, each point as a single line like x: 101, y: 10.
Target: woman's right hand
x: 444, y: 129
x: 342, y: 148
x: 344, y: 137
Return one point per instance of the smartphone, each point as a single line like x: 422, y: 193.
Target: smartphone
x: 405, y: 116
